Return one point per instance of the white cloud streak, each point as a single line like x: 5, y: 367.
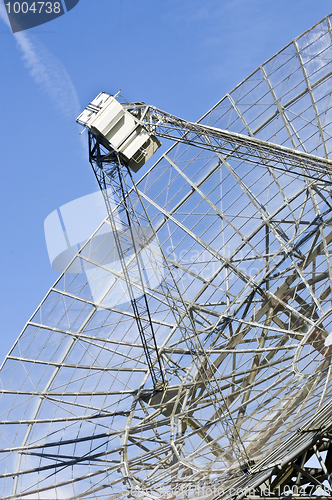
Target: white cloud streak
x: 47, y: 71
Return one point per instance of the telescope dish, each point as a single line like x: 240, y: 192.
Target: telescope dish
x: 246, y: 342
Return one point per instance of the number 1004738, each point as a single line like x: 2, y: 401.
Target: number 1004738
x: 34, y: 8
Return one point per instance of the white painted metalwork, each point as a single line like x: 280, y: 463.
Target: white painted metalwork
x: 241, y: 317
x: 107, y: 117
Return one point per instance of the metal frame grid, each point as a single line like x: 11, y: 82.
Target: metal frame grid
x: 240, y: 315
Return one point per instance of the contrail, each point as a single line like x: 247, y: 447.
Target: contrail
x: 47, y: 71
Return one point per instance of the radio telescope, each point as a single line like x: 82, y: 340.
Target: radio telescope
x: 216, y: 375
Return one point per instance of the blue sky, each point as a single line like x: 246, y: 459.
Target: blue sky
x: 181, y: 56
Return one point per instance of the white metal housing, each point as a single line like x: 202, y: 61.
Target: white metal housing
x: 107, y: 117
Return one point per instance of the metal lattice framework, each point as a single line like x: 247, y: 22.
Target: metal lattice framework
x: 241, y: 315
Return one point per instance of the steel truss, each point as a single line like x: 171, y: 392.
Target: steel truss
x: 291, y: 473
x: 241, y: 312
x: 229, y: 144
x: 110, y: 174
